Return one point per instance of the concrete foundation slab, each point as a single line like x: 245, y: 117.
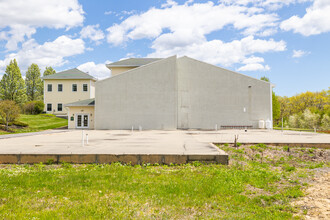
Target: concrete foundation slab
x: 107, y: 146
x: 163, y: 147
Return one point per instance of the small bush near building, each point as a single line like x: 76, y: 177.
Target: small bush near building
x: 33, y: 107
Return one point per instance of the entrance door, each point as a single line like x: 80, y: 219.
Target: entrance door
x: 82, y: 121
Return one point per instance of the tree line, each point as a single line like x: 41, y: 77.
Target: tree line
x: 13, y: 87
x: 19, y: 95
x: 308, y: 110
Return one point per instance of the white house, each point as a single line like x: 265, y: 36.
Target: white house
x: 66, y: 87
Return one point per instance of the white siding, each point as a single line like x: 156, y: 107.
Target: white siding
x: 144, y: 96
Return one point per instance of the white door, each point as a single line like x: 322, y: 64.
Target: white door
x: 82, y: 121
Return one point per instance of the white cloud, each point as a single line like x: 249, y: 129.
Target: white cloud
x: 299, y: 53
x: 267, y: 32
x: 128, y: 12
x: 193, y: 21
x: 92, y: 32
x: 219, y: 52
x: 109, y: 12
x: 184, y: 29
x: 169, y: 3
x: 254, y: 67
x: 22, y: 17
x: 254, y: 64
x: 48, y: 54
x: 266, y: 4
x: 99, y: 71
x: 116, y: 34
x: 315, y: 21
x: 253, y: 59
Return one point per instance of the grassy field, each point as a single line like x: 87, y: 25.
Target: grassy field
x: 293, y: 129
x: 302, y: 129
x: 260, y: 183
x: 38, y: 123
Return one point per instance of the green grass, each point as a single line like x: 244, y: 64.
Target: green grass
x: 38, y: 123
x: 294, y: 129
x: 245, y: 189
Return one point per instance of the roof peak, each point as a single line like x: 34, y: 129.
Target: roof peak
x: 132, y: 62
x: 73, y: 73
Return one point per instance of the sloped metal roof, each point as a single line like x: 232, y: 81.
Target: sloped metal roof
x: 86, y: 102
x: 132, y: 62
x: 70, y: 74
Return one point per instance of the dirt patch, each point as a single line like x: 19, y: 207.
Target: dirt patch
x: 316, y: 203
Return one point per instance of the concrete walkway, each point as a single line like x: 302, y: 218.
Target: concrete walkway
x: 6, y: 136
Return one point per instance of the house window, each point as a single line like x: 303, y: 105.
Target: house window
x: 49, y: 87
x: 60, y: 87
x: 74, y: 87
x: 49, y: 107
x: 85, y: 87
x: 59, y: 107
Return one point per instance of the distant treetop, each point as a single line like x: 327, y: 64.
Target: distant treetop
x: 264, y: 78
x: 49, y: 71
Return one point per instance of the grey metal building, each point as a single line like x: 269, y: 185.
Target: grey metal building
x: 179, y: 93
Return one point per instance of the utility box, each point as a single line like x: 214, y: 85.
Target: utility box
x: 261, y: 124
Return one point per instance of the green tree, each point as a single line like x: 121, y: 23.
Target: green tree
x: 325, y: 122
x: 12, y: 86
x: 264, y: 78
x: 33, y: 83
x: 49, y: 71
x: 9, y: 112
x: 276, y: 104
x: 276, y: 109
x: 309, y: 120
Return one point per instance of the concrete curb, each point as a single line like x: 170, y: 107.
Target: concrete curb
x: 111, y: 158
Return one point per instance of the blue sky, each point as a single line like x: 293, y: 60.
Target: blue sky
x: 285, y: 40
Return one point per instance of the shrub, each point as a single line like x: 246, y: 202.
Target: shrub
x: 39, y: 107
x: 294, y: 121
x: 28, y: 108
x: 309, y: 119
x: 9, y: 112
x: 33, y: 107
x: 325, y: 122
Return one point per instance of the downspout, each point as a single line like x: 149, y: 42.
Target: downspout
x: 271, y: 86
